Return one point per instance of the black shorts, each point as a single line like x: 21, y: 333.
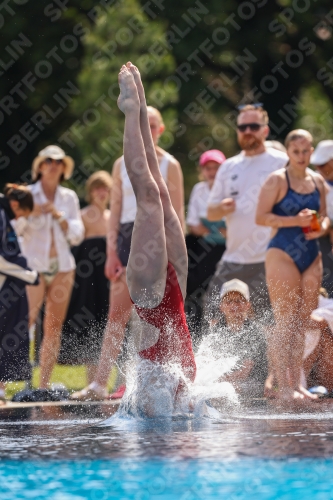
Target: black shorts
x: 124, y: 241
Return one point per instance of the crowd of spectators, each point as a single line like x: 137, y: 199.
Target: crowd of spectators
x: 259, y: 242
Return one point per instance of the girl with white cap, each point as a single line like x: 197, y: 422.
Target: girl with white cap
x: 235, y: 333
x: 54, y: 225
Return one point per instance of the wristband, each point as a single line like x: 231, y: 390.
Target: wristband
x: 61, y: 218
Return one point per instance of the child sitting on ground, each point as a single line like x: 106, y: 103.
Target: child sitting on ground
x: 235, y: 334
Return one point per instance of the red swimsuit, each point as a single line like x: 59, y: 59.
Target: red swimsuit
x: 174, y: 343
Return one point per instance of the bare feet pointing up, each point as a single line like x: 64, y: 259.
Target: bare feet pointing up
x: 138, y: 82
x: 128, y: 99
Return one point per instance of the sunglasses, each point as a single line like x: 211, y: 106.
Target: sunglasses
x: 254, y: 127
x: 255, y: 105
x: 228, y: 302
x: 322, y: 165
x: 50, y: 160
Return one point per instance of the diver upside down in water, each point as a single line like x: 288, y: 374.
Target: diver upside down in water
x: 157, y: 266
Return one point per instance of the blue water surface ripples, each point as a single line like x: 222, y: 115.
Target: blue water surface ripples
x: 254, y: 454
x: 168, y: 479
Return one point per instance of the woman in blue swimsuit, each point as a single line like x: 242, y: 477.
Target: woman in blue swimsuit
x: 293, y: 260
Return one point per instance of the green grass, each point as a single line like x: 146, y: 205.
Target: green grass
x: 73, y: 377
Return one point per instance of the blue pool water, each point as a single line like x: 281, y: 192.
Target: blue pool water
x: 167, y: 479
x: 253, y: 454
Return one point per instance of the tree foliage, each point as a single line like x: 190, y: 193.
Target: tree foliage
x: 40, y: 59
x: 231, y: 53
x: 125, y: 32
x: 199, y: 61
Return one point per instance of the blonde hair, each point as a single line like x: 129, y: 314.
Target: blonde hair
x: 262, y: 111
x: 101, y: 178
x: 155, y: 112
x: 299, y: 133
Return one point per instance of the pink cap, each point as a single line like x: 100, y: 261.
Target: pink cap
x: 212, y: 155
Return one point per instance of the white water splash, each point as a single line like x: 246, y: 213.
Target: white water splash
x: 211, y: 367
x: 155, y: 390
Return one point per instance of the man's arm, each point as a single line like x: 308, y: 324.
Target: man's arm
x: 198, y: 230
x: 113, y: 266
x: 218, y: 204
x: 217, y: 211
x: 175, y: 183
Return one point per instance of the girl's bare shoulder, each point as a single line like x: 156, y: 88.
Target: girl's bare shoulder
x: 88, y: 211
x: 279, y: 174
x: 319, y: 180
x: 276, y: 179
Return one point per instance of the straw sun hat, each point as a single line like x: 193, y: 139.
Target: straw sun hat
x: 55, y: 153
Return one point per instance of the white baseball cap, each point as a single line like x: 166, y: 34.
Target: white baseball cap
x: 322, y: 153
x: 235, y: 285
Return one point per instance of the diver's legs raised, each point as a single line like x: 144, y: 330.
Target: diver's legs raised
x: 175, y: 241
x: 147, y: 264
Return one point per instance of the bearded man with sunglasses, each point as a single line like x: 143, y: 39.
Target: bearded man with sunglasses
x: 234, y: 196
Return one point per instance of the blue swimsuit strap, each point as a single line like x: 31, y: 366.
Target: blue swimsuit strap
x: 287, y: 178
x: 302, y: 194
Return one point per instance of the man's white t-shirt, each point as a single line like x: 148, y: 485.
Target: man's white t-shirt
x: 241, y: 178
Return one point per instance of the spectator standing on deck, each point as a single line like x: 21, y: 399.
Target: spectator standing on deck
x: 54, y: 225
x: 89, y: 305
x: 123, y: 212
x: 322, y: 159
x: 14, y: 276
x: 289, y: 202
x: 234, y: 196
x: 205, y: 240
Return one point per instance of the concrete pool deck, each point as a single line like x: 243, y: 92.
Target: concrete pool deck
x: 57, y: 410
x: 104, y: 409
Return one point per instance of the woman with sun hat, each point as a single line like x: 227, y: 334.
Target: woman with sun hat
x: 54, y: 225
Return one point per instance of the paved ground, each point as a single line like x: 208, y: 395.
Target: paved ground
x: 57, y: 410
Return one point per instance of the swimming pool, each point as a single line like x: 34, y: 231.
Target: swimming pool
x: 251, y: 454
x: 168, y: 479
